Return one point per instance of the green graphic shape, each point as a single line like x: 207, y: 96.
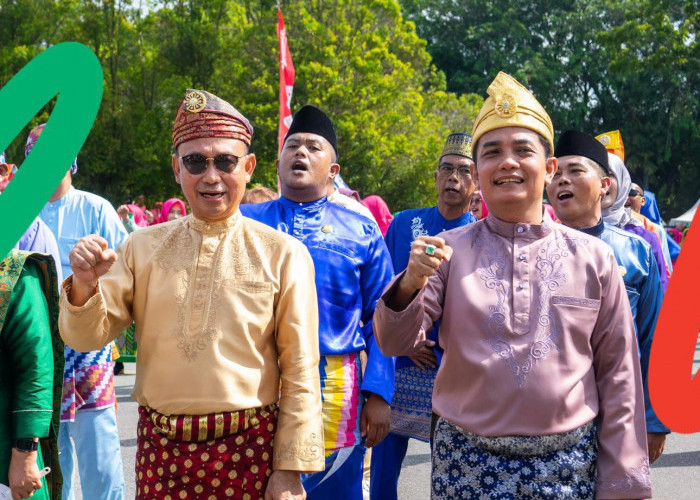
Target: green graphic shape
x: 71, y: 71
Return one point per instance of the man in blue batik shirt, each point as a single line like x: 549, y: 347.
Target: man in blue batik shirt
x: 579, y: 184
x: 411, y: 409
x: 352, y: 269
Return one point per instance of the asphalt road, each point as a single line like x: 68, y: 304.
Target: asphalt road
x: 675, y: 476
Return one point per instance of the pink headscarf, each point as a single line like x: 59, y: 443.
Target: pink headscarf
x: 550, y: 211
x: 484, y: 208
x: 168, y: 205
x: 380, y: 210
x: 139, y: 216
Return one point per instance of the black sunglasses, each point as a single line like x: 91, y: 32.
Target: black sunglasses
x: 197, y: 163
x: 634, y: 192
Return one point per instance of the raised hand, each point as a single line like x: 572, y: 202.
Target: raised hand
x: 90, y: 259
x: 427, y: 253
x: 123, y: 212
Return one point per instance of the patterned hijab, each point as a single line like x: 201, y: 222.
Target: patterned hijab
x: 34, y: 136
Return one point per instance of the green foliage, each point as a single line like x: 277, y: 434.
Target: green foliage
x: 360, y: 61
x: 595, y: 65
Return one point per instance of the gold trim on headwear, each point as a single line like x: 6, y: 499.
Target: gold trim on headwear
x: 458, y: 144
x: 506, y: 106
x: 201, y: 114
x: 195, y: 101
x: 510, y: 104
x: 613, y: 143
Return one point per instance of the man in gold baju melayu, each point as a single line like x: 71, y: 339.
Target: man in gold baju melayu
x: 225, y: 309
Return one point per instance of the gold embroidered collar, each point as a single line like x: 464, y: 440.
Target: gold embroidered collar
x: 221, y: 226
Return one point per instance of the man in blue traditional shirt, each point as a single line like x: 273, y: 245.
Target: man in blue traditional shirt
x: 352, y: 269
x: 88, y: 418
x: 411, y: 409
x: 579, y: 184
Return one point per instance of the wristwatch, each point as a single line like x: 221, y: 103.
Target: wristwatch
x: 25, y: 444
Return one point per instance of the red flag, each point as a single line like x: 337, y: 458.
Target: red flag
x: 286, y: 80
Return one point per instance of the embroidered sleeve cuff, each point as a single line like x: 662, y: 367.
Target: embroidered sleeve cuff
x: 636, y: 483
x: 92, y: 302
x: 81, y: 327
x: 303, y: 455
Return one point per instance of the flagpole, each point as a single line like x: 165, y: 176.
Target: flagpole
x: 287, y: 75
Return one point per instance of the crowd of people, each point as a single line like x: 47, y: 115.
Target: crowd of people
x: 292, y: 342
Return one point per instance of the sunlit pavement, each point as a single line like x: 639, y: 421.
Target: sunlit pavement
x: 675, y: 476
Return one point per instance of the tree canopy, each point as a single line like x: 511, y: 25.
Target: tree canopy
x: 596, y: 66
x: 360, y: 61
x: 396, y: 77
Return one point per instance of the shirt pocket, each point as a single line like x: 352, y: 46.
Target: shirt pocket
x: 253, y: 302
x: 576, y: 316
x: 255, y: 287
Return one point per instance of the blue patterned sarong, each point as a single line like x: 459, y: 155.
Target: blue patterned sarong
x: 412, y: 406
x: 556, y: 467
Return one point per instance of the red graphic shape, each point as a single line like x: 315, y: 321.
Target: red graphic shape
x: 674, y: 390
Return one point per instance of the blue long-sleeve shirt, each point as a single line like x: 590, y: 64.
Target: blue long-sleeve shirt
x: 645, y: 293
x: 405, y: 228
x: 352, y: 267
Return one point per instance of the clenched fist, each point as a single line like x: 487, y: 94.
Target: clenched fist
x: 90, y: 259
x: 427, y: 253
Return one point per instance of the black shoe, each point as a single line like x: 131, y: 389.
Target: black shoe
x: 118, y: 367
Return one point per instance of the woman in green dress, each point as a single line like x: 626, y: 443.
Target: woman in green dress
x: 30, y: 359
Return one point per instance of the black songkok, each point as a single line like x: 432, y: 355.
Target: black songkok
x: 312, y: 120
x: 574, y: 143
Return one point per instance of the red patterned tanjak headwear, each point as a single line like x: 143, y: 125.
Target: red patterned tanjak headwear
x: 202, y: 114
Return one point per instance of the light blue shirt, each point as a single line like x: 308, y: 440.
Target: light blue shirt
x: 78, y: 214
x: 69, y: 218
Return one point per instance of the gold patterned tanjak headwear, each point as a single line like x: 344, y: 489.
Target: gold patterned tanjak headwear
x: 201, y: 114
x: 511, y: 105
x: 613, y: 143
x: 458, y: 144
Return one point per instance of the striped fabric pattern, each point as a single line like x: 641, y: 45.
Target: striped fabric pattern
x: 342, y: 403
x: 197, y: 428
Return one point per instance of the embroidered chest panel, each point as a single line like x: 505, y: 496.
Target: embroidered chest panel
x: 206, y: 269
x: 520, y: 297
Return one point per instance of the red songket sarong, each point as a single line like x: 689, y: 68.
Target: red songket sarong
x: 215, y: 456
